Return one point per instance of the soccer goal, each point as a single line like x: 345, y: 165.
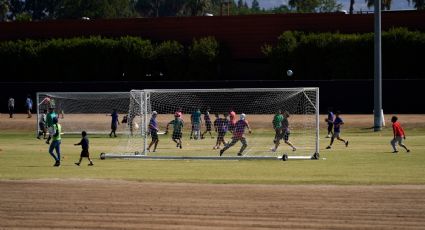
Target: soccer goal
x: 258, y: 105
x: 89, y: 111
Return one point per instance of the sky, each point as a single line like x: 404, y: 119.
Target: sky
x: 360, y: 5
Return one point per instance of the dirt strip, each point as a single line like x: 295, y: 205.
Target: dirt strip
x: 110, y: 204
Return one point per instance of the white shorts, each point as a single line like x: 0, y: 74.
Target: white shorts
x: 51, y: 130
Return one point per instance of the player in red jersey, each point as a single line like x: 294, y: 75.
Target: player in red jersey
x: 399, y: 135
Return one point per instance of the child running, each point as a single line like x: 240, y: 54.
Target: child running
x: 399, y: 135
x: 177, y: 129
x: 153, y: 129
x: 221, y: 126
x: 85, y: 149
x: 337, y: 130
x: 238, y: 135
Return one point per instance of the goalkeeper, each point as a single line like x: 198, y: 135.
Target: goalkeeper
x: 177, y: 129
x: 238, y: 135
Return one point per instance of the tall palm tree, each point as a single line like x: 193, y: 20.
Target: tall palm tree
x: 419, y: 4
x: 385, y: 4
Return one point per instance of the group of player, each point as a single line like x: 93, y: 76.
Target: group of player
x: 228, y: 122
x: 51, y: 130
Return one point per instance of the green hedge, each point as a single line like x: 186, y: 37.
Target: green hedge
x: 347, y: 56
x: 98, y: 58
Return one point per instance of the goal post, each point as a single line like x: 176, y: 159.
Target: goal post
x: 89, y: 111
x: 259, y: 106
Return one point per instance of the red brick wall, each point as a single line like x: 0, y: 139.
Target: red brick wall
x: 244, y: 35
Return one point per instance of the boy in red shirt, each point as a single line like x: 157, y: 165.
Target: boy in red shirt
x: 398, y: 135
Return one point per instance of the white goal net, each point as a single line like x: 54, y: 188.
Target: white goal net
x: 88, y: 111
x: 258, y: 105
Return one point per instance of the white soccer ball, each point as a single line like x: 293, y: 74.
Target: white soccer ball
x: 289, y: 73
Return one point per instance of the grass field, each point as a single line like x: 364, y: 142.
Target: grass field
x: 364, y: 186
x: 367, y: 160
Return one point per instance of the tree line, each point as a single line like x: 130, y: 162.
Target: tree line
x: 27, y: 10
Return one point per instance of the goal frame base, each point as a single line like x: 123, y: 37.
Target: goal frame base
x: 284, y: 157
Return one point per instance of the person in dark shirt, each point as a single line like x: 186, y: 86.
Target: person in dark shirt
x: 114, y: 123
x: 85, y: 148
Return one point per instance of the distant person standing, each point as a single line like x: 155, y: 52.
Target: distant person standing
x: 85, y: 148
x: 277, y: 126
x: 196, y: 122
x: 28, y: 105
x: 208, y: 124
x: 177, y: 129
x: 42, y: 125
x: 56, y: 142
x: 49, y: 123
x: 238, y: 135
x: 232, y: 120
x: 114, y: 123
x: 11, y: 106
x: 398, y: 135
x: 285, y: 132
x: 153, y: 130
x: 330, y: 121
x: 338, y: 122
x: 221, y: 125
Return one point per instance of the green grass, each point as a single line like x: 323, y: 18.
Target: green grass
x: 367, y: 160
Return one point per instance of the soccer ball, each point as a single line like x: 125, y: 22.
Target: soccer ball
x: 289, y: 73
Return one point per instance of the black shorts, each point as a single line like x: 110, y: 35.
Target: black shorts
x: 208, y: 125
x: 177, y: 135
x: 221, y: 135
x: 114, y: 127
x: 85, y: 153
x: 154, y: 135
x: 285, y: 136
x: 42, y: 126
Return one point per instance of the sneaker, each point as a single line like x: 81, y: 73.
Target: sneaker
x: 408, y: 150
x: 239, y: 154
x: 395, y: 151
x: 180, y: 145
x: 57, y: 164
x: 215, y: 147
x: 346, y: 144
x: 329, y: 147
x: 47, y: 142
x: 273, y: 149
x: 221, y: 152
x: 77, y: 164
x: 294, y: 149
x: 177, y: 145
x: 328, y: 136
x: 38, y: 137
x: 91, y: 164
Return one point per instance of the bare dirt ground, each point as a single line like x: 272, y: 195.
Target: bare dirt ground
x: 103, y: 204
x: 21, y: 123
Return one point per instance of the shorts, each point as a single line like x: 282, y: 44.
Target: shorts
x: 177, y: 135
x: 336, y: 134
x: 221, y: 135
x: 285, y: 136
x: 196, y: 126
x: 51, y: 130
x: 85, y: 153
x: 42, y: 126
x: 208, y: 125
x: 154, y: 134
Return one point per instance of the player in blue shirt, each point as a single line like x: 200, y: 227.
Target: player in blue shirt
x: 114, y: 123
x: 153, y: 130
x: 337, y: 130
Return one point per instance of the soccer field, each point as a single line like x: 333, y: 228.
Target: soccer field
x: 362, y: 186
